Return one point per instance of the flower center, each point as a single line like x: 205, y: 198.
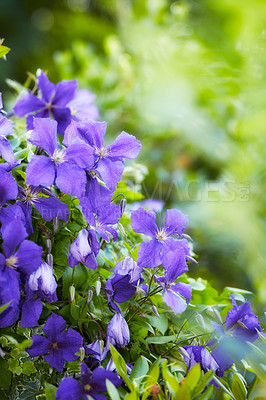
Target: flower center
x: 30, y: 195
x: 161, y: 235
x: 101, y: 152
x: 54, y: 346
x: 87, y: 388
x: 58, y: 157
x: 12, y: 262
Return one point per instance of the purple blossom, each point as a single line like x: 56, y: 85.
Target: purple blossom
x: 8, y: 187
x: 84, y: 249
x: 109, y: 163
x: 82, y: 107
x: 52, y: 102
x: 62, y: 167
x: 151, y: 253
x: 106, y: 216
x: 200, y: 355
x: 59, y: 346
x: 6, y: 129
x: 92, y: 384
x: 175, y: 295
x: 118, y: 332
x: 49, y: 207
x: 242, y: 323
x: 9, y: 294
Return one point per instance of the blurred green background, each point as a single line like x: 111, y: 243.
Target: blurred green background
x: 188, y: 79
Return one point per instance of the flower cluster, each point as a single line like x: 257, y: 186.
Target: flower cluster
x: 67, y: 159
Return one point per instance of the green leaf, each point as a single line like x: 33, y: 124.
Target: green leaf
x: 50, y: 391
x: 14, y: 366
x: 121, y: 366
x: 160, y: 339
x: 160, y: 323
x: 193, y: 377
x: 2, y: 308
x: 170, y: 380
x: 5, y: 375
x: 112, y: 390
x: 207, y: 394
x: 238, y: 387
x: 204, y: 381
x: 183, y: 393
x: 150, y: 380
x: 220, y: 383
x: 28, y: 368
x: 139, y: 370
x: 4, y: 50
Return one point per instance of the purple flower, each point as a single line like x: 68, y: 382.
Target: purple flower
x: 175, y: 295
x: 49, y: 207
x: 242, y: 323
x: 8, y: 187
x: 151, y: 253
x: 92, y: 384
x: 84, y: 249
x: 149, y: 204
x: 82, y: 107
x: 128, y: 266
x: 62, y: 167
x: 59, y: 346
x: 118, y: 332
x: 52, y: 101
x: 109, y: 163
x: 200, y: 355
x: 106, y: 217
x: 6, y: 129
x: 9, y: 294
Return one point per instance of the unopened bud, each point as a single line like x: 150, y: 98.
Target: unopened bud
x: 183, y: 352
x: 241, y: 324
x: 56, y: 224
x: 201, y: 321
x: 72, y: 292
x: 185, y: 236
x: 123, y: 204
x: 191, y: 259
x: 121, y: 229
x: 82, y: 353
x: 49, y: 245
x: 90, y: 295
x: 98, y: 287
x: 50, y: 371
x: 49, y: 259
x: 101, y: 344
x: 155, y: 311
x: 217, y: 314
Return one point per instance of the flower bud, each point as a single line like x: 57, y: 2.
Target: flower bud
x: 121, y: 229
x: 43, y: 280
x: 82, y: 353
x: 185, y: 236
x: 56, y: 224
x: 90, y: 295
x: 155, y: 311
x: 72, y: 292
x: 217, y: 314
x: 49, y: 245
x: 183, y: 352
x: 123, y: 204
x: 201, y: 321
x: 98, y: 287
x: 117, y: 331
x: 191, y: 260
x: 49, y: 259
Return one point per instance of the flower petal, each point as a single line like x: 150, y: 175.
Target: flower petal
x: 81, y: 154
x: 40, y: 171
x: 143, y: 221
x: 44, y: 135
x: 175, y: 222
x: 6, y: 150
x: 31, y: 312
x: 29, y: 103
x: 46, y: 87
x: 8, y: 187
x: 174, y: 301
x: 29, y: 256
x: 124, y: 146
x: 69, y: 389
x: 39, y: 347
x: 51, y: 207
x: 55, y: 359
x: 70, y: 342
x: 149, y: 254
x: 63, y: 117
x: 54, y: 326
x: 110, y: 171
x: 71, y: 179
x: 64, y: 93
